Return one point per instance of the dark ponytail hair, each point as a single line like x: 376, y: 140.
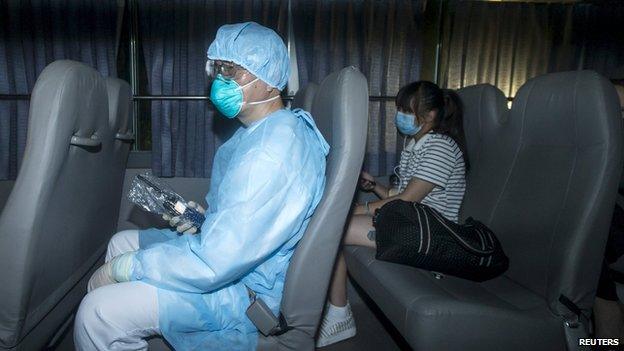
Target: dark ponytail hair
x: 423, y: 96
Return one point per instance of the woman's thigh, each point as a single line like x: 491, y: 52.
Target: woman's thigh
x: 360, y: 231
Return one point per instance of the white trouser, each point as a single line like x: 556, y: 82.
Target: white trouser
x: 118, y: 316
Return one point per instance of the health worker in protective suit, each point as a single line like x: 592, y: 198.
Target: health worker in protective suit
x: 194, y: 288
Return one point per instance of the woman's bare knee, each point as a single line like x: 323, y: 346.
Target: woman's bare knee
x: 358, y: 232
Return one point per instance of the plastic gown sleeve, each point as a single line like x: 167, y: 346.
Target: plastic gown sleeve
x: 253, y: 218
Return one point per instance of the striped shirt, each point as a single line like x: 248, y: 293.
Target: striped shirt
x: 437, y: 159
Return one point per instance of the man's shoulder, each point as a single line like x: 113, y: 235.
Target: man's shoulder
x: 281, y: 120
x: 282, y: 127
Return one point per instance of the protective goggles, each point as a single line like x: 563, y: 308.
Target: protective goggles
x: 227, y: 69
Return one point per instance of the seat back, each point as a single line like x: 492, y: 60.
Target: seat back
x: 119, y: 107
x: 56, y: 221
x: 559, y: 180
x: 485, y: 118
x: 5, y: 190
x: 305, y: 97
x: 340, y: 110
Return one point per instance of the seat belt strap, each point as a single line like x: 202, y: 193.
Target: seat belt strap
x: 573, y: 308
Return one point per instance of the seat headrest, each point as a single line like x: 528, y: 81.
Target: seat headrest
x: 305, y: 97
x: 553, y: 110
x: 333, y: 97
x: 67, y: 98
x: 485, y: 108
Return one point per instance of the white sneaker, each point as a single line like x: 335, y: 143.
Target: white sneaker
x: 337, y: 325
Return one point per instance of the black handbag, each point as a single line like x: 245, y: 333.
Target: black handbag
x: 414, y: 234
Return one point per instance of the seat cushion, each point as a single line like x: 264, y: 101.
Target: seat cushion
x: 452, y: 313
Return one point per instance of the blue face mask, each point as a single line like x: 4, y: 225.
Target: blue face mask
x: 406, y: 123
x: 227, y: 96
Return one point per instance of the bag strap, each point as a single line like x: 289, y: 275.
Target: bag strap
x: 488, y: 250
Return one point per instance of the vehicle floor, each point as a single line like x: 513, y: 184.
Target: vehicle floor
x: 374, y: 331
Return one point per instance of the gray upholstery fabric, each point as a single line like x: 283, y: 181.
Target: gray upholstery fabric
x: 544, y: 180
x: 62, y: 209
x: 119, y: 107
x: 5, y: 190
x: 340, y: 108
x: 453, y: 313
x: 554, y: 212
x: 485, y: 118
x: 305, y: 97
x: 119, y: 103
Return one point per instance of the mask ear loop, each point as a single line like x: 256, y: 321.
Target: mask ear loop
x: 398, y: 167
x: 258, y: 102
x: 263, y: 101
x: 248, y: 84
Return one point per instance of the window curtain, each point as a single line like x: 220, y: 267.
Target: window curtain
x: 175, y: 36
x: 32, y: 35
x: 598, y: 32
x: 382, y: 39
x: 505, y: 44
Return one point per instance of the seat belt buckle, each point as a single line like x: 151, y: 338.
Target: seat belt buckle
x: 572, y: 323
x: 262, y: 317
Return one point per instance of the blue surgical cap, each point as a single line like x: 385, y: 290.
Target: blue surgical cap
x: 256, y: 48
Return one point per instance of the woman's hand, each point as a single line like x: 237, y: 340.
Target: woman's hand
x: 367, y: 182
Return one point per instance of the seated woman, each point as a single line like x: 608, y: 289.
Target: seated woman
x: 431, y: 171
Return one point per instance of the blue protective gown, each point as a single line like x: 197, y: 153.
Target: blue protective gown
x: 266, y: 182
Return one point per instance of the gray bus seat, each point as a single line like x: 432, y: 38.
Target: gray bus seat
x: 305, y: 97
x: 550, y: 204
x: 339, y: 109
x: 54, y: 226
x: 119, y: 103
x: 5, y: 190
x: 485, y: 117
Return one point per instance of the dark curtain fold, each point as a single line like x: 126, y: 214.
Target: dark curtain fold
x: 175, y: 36
x: 32, y: 35
x: 505, y: 44
x: 382, y: 39
x: 598, y: 31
